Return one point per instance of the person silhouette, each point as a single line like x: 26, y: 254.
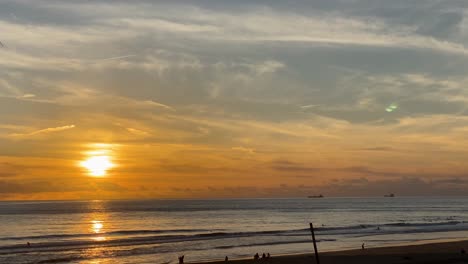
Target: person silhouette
x: 181, y: 259
x: 263, y: 256
x: 362, y: 246
x: 256, y: 256
x: 226, y: 258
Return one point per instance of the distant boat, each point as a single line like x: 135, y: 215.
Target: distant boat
x: 389, y: 195
x: 315, y: 196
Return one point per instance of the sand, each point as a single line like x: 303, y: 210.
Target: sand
x: 434, y: 253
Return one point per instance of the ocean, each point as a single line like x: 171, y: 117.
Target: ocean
x: 157, y: 231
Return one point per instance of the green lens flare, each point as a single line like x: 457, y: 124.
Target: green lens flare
x: 391, y: 108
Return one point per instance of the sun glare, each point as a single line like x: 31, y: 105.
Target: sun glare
x: 97, y: 165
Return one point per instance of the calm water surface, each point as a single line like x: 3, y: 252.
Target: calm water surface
x: 101, y: 232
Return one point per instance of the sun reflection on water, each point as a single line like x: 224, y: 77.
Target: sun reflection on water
x: 99, y: 238
x: 96, y: 227
x: 97, y: 220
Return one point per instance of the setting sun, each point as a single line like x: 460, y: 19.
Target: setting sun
x: 97, y: 165
x: 152, y: 131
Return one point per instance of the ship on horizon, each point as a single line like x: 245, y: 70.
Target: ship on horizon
x: 315, y: 196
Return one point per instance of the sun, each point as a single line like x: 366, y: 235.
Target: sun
x: 97, y: 165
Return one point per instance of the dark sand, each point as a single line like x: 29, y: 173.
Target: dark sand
x: 435, y: 253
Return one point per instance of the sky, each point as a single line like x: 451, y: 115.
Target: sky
x: 224, y: 99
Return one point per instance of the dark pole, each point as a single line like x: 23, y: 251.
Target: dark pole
x: 315, y: 244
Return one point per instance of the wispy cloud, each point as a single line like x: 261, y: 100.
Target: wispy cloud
x: 265, y: 24
x: 244, y: 149
x: 114, y: 58
x: 137, y: 131
x: 27, y: 96
x: 156, y: 104
x: 43, y: 131
x: 309, y: 106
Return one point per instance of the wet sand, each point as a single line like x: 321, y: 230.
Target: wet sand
x: 434, y: 253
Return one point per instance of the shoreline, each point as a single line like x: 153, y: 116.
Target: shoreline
x: 432, y: 252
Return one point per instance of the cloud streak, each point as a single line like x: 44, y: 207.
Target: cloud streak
x: 42, y: 131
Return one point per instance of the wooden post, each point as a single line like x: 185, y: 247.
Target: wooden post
x: 315, y: 244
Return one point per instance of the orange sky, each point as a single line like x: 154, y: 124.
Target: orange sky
x: 193, y: 100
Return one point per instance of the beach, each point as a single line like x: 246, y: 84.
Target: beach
x: 434, y: 253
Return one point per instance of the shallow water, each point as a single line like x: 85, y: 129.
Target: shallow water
x: 158, y: 231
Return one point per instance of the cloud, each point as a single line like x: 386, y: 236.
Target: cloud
x: 7, y: 174
x: 109, y: 186
x: 43, y: 131
x: 361, y: 187
x: 266, y: 67
x: 379, y: 148
x: 293, y: 167
x: 44, y: 186
x: 8, y: 169
x: 256, y: 79
x: 405, y: 186
x: 309, y: 106
x: 156, y: 104
x: 445, y: 25
x: 244, y: 149
x: 187, y: 168
x: 303, y: 86
x: 28, y: 96
x: 115, y: 58
x: 137, y: 131
x: 352, y: 173
x: 265, y: 23
x: 172, y: 23
x: 157, y: 24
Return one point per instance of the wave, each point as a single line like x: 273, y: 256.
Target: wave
x: 427, y: 224
x: 136, y: 240
x: 272, y: 243
x: 134, y: 237
x: 386, y: 225
x: 112, y: 233
x: 59, y: 260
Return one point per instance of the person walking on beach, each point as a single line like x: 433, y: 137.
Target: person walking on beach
x: 181, y: 259
x: 256, y: 256
x: 362, y: 246
x: 226, y: 258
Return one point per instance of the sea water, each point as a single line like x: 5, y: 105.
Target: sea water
x: 158, y: 231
